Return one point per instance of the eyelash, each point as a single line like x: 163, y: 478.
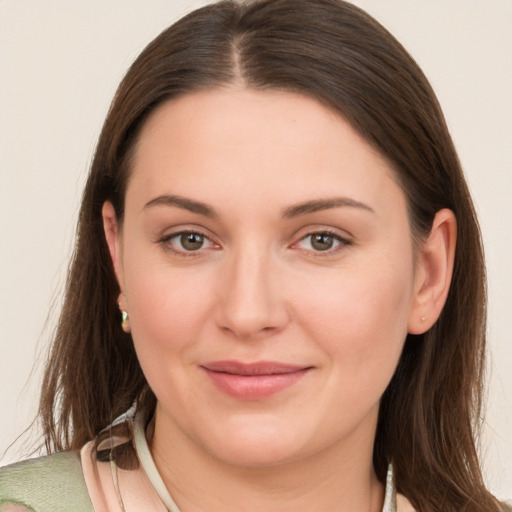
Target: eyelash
x: 169, y: 246
x: 342, y: 243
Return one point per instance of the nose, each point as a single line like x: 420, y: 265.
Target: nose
x: 251, y: 300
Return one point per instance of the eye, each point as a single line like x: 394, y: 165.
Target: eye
x: 187, y: 241
x: 321, y: 242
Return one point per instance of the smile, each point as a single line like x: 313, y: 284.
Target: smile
x: 253, y: 381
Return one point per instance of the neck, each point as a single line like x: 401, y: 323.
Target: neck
x: 340, y: 478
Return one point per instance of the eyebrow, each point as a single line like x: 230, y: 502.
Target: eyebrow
x: 296, y: 210
x: 324, y: 204
x: 184, y: 203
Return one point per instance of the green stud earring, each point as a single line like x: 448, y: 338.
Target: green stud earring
x: 125, y: 325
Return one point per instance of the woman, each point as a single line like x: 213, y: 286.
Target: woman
x: 271, y: 277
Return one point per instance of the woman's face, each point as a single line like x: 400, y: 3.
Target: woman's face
x: 266, y: 263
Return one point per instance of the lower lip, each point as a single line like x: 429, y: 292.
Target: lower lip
x: 254, y: 387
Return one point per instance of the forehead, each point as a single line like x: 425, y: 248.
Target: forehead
x: 258, y: 143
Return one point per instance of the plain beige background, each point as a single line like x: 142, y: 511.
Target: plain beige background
x: 60, y: 63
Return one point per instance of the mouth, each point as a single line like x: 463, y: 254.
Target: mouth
x: 253, y: 381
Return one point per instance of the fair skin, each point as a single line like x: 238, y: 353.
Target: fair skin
x: 263, y: 235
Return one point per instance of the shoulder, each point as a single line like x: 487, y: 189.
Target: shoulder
x: 54, y: 483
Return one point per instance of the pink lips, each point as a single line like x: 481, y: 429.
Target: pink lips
x: 253, y: 381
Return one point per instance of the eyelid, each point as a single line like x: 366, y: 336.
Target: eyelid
x: 164, y: 240
x: 343, y: 239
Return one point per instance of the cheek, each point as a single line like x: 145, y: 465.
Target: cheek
x: 168, y: 314
x: 168, y: 306
x: 360, y: 320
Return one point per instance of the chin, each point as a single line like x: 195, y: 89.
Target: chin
x: 257, y: 445
x: 261, y: 455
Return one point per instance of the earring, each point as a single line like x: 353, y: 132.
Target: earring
x: 125, y: 322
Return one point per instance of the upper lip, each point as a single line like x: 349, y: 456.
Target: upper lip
x: 253, y: 369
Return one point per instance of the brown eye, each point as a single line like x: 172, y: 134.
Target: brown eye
x: 187, y: 242
x: 191, y: 241
x: 322, y: 241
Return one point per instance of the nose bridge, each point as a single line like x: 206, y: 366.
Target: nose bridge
x: 251, y: 301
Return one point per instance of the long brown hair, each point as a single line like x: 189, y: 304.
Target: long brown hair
x: 334, y: 52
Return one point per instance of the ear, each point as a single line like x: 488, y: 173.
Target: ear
x: 434, y: 269
x: 113, y: 237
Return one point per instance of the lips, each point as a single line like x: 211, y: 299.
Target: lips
x: 253, y: 381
